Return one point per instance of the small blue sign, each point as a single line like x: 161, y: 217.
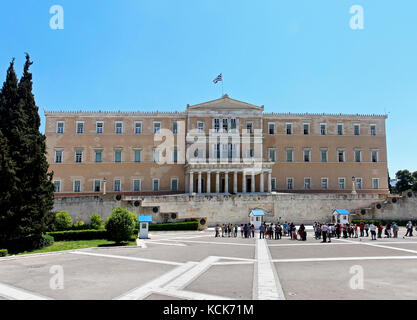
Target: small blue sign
x: 145, y: 218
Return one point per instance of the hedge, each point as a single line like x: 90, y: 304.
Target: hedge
x: 74, y: 235
x: 3, y: 252
x: 176, y: 226
x: 27, y: 243
x: 400, y: 223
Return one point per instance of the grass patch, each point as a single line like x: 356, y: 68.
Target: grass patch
x: 80, y: 244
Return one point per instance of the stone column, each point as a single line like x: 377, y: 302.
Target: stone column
x: 269, y: 181
x: 208, y: 182
x: 199, y: 181
x: 226, y: 182
x: 253, y: 182
x: 262, y: 182
x: 243, y: 182
x: 217, y: 182
x: 191, y: 182
x: 235, y: 182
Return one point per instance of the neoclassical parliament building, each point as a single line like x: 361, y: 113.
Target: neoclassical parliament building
x: 220, y: 147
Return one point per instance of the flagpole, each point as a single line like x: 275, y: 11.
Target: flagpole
x: 222, y: 85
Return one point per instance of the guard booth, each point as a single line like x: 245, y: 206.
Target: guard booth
x: 256, y: 218
x: 144, y: 226
x: 341, y: 216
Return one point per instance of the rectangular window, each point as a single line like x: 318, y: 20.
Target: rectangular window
x: 175, y: 155
x: 60, y: 127
x: 136, y: 185
x: 200, y: 126
x: 358, y: 156
x: 119, y: 127
x: 373, y: 130
x: 356, y: 129
x: 97, y: 185
x: 358, y: 183
x: 155, y: 183
x: 375, y: 183
x: 175, y: 127
x: 117, y: 156
x: 155, y: 155
x: 216, y: 125
x: 251, y: 153
x: 174, y: 184
x: 289, y: 156
x: 274, y: 183
x: 340, y: 129
x: 307, y: 183
x: 216, y: 151
x: 58, y: 156
x: 323, y: 129
x: 342, y: 183
x: 156, y: 127
x: 225, y: 125
x: 249, y: 127
x: 137, y: 156
x: 271, y: 128
x: 272, y: 155
x: 324, y: 183
x: 78, y: 156
x: 77, y: 186
x: 323, y: 155
x: 99, y: 127
x: 341, y: 155
x: 98, y: 156
x: 117, y: 185
x: 57, y: 185
x: 233, y: 124
x: 289, y: 128
x: 306, y: 128
x: 138, y: 127
x: 290, y: 183
x: 307, y: 155
x: 374, y: 156
x: 80, y: 127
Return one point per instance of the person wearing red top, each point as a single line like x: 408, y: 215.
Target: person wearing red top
x: 362, y: 227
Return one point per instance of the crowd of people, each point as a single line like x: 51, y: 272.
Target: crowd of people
x: 322, y: 231
x: 350, y: 230
x: 269, y: 231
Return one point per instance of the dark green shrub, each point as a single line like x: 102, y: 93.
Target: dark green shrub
x: 63, y: 221
x: 78, y: 223
x: 96, y: 222
x: 121, y: 225
x: 74, y: 235
x: 3, y: 252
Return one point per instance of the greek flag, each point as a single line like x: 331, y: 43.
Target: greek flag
x: 218, y: 78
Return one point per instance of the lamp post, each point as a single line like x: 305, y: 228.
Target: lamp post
x: 353, y: 185
x: 104, y: 185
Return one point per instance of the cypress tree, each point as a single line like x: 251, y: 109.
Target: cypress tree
x: 38, y: 189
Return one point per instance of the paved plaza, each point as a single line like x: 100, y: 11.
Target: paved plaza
x: 196, y: 265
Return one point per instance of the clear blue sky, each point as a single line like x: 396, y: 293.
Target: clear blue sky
x: 291, y: 56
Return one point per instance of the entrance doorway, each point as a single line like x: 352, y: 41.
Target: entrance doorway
x: 248, y: 184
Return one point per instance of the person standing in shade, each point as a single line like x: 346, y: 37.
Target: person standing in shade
x: 372, y: 228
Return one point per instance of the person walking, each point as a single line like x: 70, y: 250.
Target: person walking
x: 262, y: 232
x: 252, y: 228
x: 395, y: 229
x: 409, y: 227
x: 217, y: 231
x: 367, y: 229
x: 324, y: 229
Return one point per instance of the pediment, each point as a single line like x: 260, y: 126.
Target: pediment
x: 225, y: 104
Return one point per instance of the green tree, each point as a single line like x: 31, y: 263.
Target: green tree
x: 96, y: 222
x: 405, y: 181
x: 63, y: 221
x: 415, y: 181
x: 120, y: 225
